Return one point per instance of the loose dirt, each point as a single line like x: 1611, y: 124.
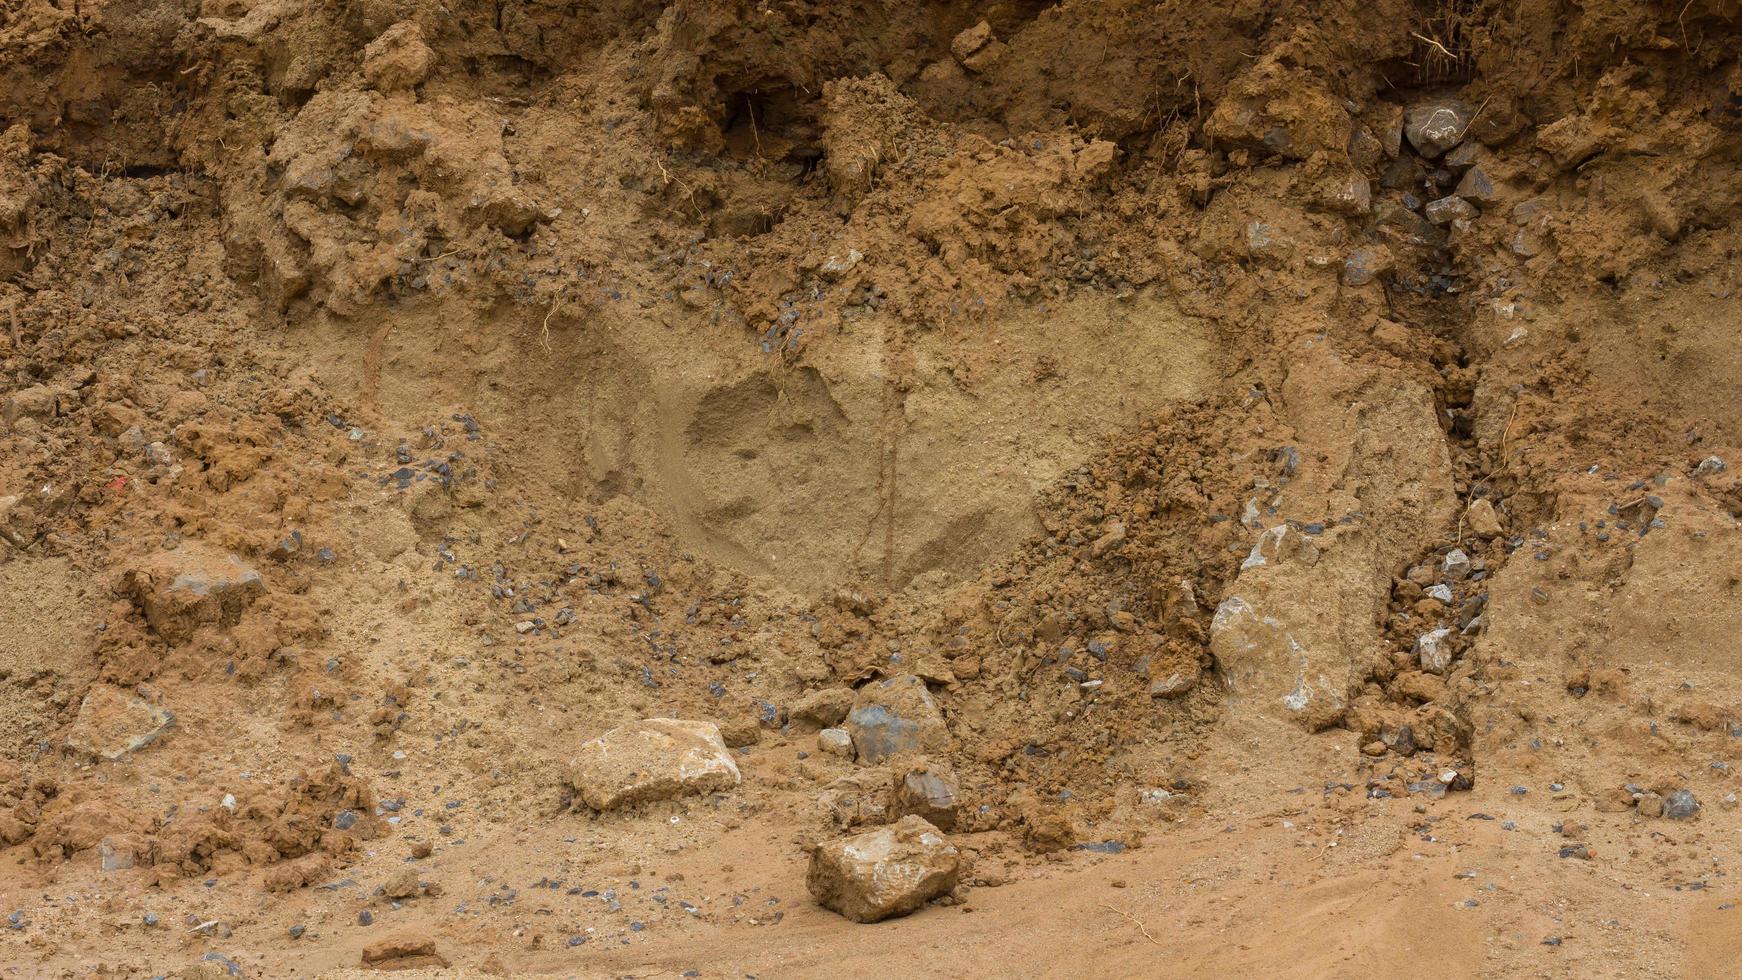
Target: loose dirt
x: 1289, y: 456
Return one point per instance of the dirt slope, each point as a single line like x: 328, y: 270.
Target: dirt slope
x: 1297, y: 447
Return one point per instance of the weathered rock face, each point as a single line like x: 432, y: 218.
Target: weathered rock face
x: 193, y: 586
x: 655, y: 759
x: 896, y: 715
x: 887, y: 872
x: 111, y: 723
x: 1307, y: 603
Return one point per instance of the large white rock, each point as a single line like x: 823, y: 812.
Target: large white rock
x: 654, y: 759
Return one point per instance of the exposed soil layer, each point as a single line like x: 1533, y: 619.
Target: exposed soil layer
x: 1280, y: 464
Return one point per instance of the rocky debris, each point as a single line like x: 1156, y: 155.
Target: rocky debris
x: 406, y: 951
x: 927, y: 793
x: 1449, y: 209
x: 1277, y: 108
x: 1433, y: 650
x: 653, y: 759
x: 1482, y: 519
x: 192, y: 586
x: 112, y: 723
x: 1571, y: 140
x: 824, y: 708
x: 1476, y: 185
x: 886, y: 872
x: 1681, y: 805
x: 38, y: 402
x: 896, y: 715
x: 1455, y: 566
x: 398, y: 59
x: 1436, y: 126
x: 1367, y: 263
x: 835, y: 741
x: 1176, y: 684
x: 976, y: 48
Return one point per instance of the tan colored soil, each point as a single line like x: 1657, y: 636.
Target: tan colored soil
x: 398, y: 395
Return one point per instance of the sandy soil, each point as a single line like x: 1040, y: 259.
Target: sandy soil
x: 1297, y: 447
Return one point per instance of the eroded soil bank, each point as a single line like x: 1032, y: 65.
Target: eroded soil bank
x: 1260, y: 480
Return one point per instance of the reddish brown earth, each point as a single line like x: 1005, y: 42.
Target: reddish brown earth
x: 398, y: 395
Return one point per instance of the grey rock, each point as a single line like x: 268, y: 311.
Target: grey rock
x: 1366, y: 264
x: 893, y: 716
x: 1464, y: 156
x: 1477, y: 186
x: 1681, y: 805
x: 1436, y: 126
x: 1449, y: 209
x: 1455, y: 566
x: 112, y: 723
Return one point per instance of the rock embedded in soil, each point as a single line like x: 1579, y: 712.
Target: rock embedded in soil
x: 112, y: 723
x: 824, y: 708
x: 1436, y: 126
x: 654, y: 759
x: 193, y: 586
x: 1482, y: 519
x: 835, y: 741
x: 406, y: 951
x: 1680, y: 805
x: 1433, y: 650
x: 896, y: 715
x: 929, y: 794
x: 1366, y: 264
x: 398, y: 59
x: 1449, y: 209
x: 886, y: 872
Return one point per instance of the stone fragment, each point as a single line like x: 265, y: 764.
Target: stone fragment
x: 1177, y: 683
x: 1449, y: 209
x: 1367, y: 263
x: 405, y: 951
x: 1681, y: 805
x: 654, y: 759
x: 835, y: 741
x: 927, y: 793
x: 112, y: 723
x: 825, y: 707
x: 1277, y: 107
x: 1455, y: 566
x: 1433, y: 650
x: 1482, y: 518
x: 192, y: 586
x: 970, y: 41
x: 398, y: 59
x: 896, y: 715
x: 1436, y: 126
x: 1477, y: 186
x: 1571, y: 140
x: 887, y: 872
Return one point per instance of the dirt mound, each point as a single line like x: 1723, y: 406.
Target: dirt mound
x: 1129, y: 436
